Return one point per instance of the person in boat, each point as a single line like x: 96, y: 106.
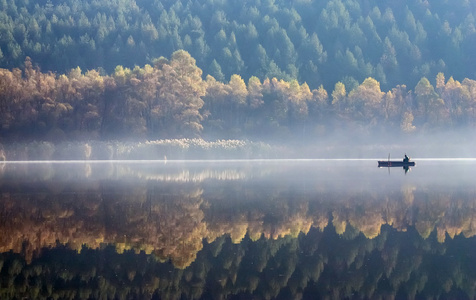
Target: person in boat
x: 406, y: 158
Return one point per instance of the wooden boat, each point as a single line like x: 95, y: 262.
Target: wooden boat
x: 389, y: 163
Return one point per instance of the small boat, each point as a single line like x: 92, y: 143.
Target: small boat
x: 396, y: 163
x: 389, y: 163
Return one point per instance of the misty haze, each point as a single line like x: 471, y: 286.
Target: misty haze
x: 257, y: 149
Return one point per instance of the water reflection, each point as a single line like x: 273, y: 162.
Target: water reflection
x: 297, y: 229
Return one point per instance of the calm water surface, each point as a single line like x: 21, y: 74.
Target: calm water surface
x: 339, y: 229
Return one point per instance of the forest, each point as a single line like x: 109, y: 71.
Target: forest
x: 318, y: 42
x: 170, y: 99
x: 104, y: 70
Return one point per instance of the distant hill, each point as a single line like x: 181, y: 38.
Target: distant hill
x: 318, y: 42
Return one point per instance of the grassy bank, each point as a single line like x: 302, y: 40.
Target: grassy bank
x: 149, y: 150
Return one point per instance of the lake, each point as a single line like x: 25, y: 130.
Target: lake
x: 263, y: 229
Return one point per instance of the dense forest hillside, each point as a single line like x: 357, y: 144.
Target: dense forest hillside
x: 318, y: 42
x: 222, y: 69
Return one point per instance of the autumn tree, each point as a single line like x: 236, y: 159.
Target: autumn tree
x: 11, y: 96
x: 395, y: 104
x: 338, y: 96
x: 365, y: 101
x: 457, y: 100
x: 319, y: 109
x: 124, y: 106
x: 236, y: 101
x: 181, y: 95
x: 214, y: 104
x: 429, y: 107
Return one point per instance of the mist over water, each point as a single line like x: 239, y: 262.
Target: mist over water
x: 338, y: 170
x: 450, y: 145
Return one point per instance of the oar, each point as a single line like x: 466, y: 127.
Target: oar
x: 388, y: 165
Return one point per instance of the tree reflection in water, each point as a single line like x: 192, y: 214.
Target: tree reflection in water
x: 195, y: 233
